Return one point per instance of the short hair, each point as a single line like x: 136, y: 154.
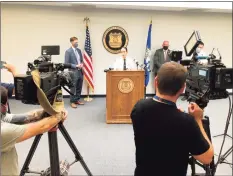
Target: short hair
x: 125, y: 48
x: 171, y: 78
x: 4, y: 95
x: 73, y: 39
x: 201, y: 43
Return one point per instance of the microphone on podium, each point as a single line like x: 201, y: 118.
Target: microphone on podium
x: 136, y: 63
x: 109, y: 69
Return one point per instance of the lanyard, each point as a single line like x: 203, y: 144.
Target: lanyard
x: 165, y: 101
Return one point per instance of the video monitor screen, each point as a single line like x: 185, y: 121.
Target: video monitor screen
x: 192, y: 43
x: 50, y: 50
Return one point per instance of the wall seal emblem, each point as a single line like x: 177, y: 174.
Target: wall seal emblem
x: 114, y: 39
x: 125, y: 85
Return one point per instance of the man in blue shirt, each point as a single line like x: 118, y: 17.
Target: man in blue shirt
x: 73, y: 56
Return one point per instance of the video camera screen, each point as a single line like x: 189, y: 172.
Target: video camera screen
x: 192, y: 43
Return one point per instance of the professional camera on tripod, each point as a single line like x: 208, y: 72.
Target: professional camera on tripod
x: 43, y: 85
x: 206, y: 82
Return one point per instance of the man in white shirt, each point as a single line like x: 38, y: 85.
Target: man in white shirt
x: 124, y: 62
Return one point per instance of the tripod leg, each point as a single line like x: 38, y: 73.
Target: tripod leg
x: 74, y: 148
x: 53, y: 152
x: 192, y: 163
x: 225, y: 155
x: 30, y: 155
x: 210, y: 169
x: 228, y: 152
x: 218, y: 135
x: 223, y: 135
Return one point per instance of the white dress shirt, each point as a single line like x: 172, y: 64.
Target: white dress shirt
x: 119, y: 64
x: 77, y: 55
x: 165, y: 54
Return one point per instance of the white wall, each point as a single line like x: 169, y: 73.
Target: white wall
x: 25, y: 28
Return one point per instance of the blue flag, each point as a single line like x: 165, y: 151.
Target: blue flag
x: 147, y: 56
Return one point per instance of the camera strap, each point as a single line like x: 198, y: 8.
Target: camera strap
x: 164, y: 101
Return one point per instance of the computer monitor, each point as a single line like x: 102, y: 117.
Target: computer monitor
x: 50, y: 50
x: 192, y: 43
x: 176, y: 56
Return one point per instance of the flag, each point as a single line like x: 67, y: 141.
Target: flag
x: 147, y: 56
x: 88, y: 65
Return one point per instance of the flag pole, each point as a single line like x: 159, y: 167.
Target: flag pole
x: 88, y: 98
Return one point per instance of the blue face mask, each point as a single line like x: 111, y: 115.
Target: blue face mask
x: 76, y: 45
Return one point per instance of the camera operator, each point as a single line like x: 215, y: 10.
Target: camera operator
x: 200, y: 52
x: 164, y: 135
x: 20, y: 127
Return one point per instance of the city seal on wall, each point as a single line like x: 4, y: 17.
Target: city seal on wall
x: 114, y: 39
x: 125, y: 85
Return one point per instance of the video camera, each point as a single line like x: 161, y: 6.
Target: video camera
x: 205, y: 82
x: 51, y: 76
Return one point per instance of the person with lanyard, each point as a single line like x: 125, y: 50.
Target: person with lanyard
x: 164, y: 135
x: 124, y: 62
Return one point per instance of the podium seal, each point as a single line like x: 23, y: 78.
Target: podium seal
x: 125, y: 85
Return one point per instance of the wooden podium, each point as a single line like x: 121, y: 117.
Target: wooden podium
x: 124, y: 89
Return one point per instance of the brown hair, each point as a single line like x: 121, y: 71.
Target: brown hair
x: 171, y: 78
x: 4, y: 95
x: 73, y: 39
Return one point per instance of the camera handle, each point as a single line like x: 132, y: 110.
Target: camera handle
x: 53, y: 149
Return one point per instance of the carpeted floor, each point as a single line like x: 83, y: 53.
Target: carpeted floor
x: 109, y: 149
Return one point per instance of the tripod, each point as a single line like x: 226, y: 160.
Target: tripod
x: 53, y: 148
x: 223, y: 135
x: 227, y: 124
x: 210, y: 168
x: 222, y: 158
x: 225, y: 155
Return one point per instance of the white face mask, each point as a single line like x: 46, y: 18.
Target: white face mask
x: 198, y: 50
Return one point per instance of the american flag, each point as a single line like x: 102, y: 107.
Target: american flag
x: 88, y: 66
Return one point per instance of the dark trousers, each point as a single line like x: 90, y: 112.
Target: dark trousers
x: 77, y: 78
